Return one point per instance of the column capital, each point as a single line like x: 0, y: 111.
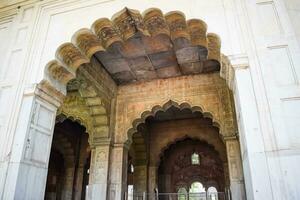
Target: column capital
x: 230, y: 137
x: 239, y: 61
x: 102, y: 142
x: 125, y: 145
x: 48, y: 93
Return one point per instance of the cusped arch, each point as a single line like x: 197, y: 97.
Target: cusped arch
x: 75, y: 108
x: 124, y: 26
x: 87, y: 107
x: 185, y: 105
x: 221, y: 150
x: 219, y: 153
x: 127, y: 24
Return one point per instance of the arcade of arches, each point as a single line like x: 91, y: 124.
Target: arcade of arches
x: 142, y: 94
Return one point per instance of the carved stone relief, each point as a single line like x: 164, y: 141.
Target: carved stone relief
x: 199, y: 93
x: 99, y: 165
x: 161, y: 39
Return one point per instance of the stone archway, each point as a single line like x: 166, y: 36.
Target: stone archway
x: 176, y: 169
x: 194, y: 50
x: 226, y: 145
x: 69, y: 152
x: 64, y: 146
x: 109, y: 110
x: 100, y: 45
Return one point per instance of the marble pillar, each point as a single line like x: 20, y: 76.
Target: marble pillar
x: 118, y: 172
x: 28, y: 164
x: 254, y: 159
x: 236, y: 177
x: 97, y: 188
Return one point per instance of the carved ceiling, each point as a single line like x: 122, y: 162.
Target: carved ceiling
x: 134, y: 47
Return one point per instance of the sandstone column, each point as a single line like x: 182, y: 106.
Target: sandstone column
x: 118, y: 172
x: 83, y: 156
x: 68, y: 183
x: 236, y: 177
x: 97, y: 188
x: 140, y: 179
x: 152, y: 178
x: 28, y: 163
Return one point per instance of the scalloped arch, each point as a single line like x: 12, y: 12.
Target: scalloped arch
x: 170, y: 143
x: 73, y: 117
x: 185, y: 105
x: 87, y: 108
x: 124, y: 25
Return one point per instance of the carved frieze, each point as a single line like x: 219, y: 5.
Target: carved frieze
x: 199, y: 93
x: 155, y: 22
x: 120, y: 42
x: 70, y: 56
x: 87, y: 42
x: 60, y: 73
x: 129, y: 22
x: 197, y: 30
x: 106, y: 31
x: 177, y: 24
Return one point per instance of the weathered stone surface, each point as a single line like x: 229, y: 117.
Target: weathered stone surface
x: 167, y: 41
x: 207, y: 93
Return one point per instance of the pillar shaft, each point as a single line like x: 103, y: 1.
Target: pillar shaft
x: 67, y: 192
x: 254, y: 159
x: 152, y: 178
x: 28, y: 163
x: 140, y: 179
x: 118, y: 172
x: 235, y: 170
x: 97, y: 188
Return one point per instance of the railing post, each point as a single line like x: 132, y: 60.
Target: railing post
x: 144, y: 195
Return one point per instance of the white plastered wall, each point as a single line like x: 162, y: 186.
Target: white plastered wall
x: 259, y: 36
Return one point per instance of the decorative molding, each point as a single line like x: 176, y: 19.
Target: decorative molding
x: 49, y: 93
x: 125, y: 25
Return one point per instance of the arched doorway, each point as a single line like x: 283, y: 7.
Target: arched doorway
x: 181, y: 62
x: 174, y: 150
x: 69, y: 161
x: 132, y: 48
x: 191, y: 164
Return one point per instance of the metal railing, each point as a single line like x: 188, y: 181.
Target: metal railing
x: 178, y: 196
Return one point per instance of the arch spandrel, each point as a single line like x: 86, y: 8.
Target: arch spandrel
x: 87, y: 107
x: 136, y: 118
x: 208, y: 94
x: 75, y: 107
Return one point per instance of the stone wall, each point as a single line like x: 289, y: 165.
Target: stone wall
x: 163, y: 134
x: 207, y: 93
x: 259, y: 37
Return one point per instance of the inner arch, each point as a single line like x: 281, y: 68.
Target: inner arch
x: 184, y: 110
x: 171, y: 134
